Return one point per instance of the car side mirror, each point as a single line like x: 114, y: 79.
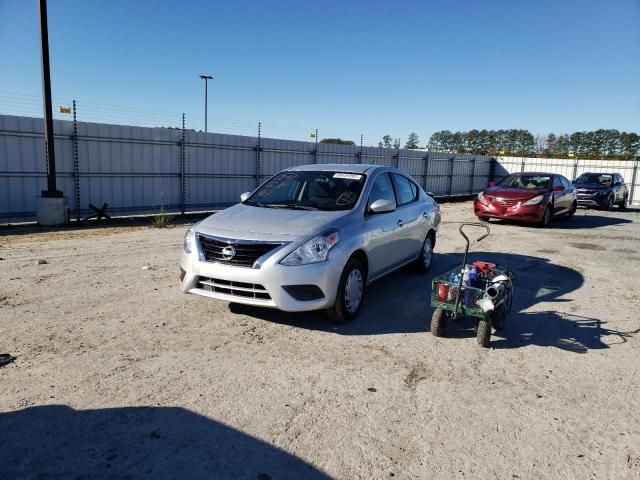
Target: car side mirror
x: 558, y: 188
x: 492, y: 184
x: 382, y: 205
x: 244, y: 196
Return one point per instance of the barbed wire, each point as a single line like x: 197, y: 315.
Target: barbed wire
x: 20, y: 104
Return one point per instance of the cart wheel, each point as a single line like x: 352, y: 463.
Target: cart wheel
x: 484, y: 331
x: 438, y: 322
x: 498, y: 318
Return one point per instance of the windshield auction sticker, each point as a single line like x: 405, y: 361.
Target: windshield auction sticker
x: 348, y: 176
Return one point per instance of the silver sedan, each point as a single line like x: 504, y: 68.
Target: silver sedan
x: 312, y: 237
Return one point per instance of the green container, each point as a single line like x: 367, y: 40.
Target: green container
x: 444, y: 293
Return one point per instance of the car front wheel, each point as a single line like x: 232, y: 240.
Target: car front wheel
x: 546, y: 217
x: 350, y: 293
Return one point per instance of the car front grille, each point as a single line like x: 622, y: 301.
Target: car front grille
x: 236, y: 289
x: 246, y: 253
x: 584, y: 191
x: 502, y: 202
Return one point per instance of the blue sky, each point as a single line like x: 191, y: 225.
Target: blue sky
x: 346, y: 68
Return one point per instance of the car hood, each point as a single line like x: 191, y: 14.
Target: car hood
x: 591, y: 186
x: 513, y: 193
x: 246, y: 222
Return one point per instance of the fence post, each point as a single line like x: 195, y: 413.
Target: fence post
x: 492, y: 169
x: 258, y: 148
x: 425, y: 171
x: 473, y: 176
x: 575, y: 168
x: 522, y: 164
x: 451, y: 160
x: 634, y: 177
x: 76, y: 162
x: 183, y: 168
x: 359, y: 154
x: 315, y: 152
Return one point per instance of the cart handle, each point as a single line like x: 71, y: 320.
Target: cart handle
x: 486, y: 227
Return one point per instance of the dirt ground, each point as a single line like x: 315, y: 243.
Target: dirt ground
x: 118, y: 375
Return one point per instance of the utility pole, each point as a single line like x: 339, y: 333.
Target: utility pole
x: 51, y: 191
x: 206, y: 79
x: 52, y: 208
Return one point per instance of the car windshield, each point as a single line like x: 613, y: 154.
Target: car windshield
x: 304, y: 190
x: 531, y: 182
x: 601, y: 179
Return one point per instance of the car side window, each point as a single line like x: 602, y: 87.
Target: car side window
x: 557, y: 182
x: 565, y: 182
x: 407, y: 190
x: 382, y: 189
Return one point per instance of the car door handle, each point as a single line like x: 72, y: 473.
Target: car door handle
x: 401, y: 223
x: 425, y: 214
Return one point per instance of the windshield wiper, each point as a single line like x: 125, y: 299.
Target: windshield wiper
x: 292, y: 207
x: 256, y: 204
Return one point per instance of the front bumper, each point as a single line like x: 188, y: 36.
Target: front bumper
x: 521, y: 213
x: 594, y: 200
x: 265, y: 282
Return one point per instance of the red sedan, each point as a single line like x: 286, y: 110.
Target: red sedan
x: 527, y: 197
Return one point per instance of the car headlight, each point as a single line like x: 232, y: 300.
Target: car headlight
x: 481, y: 198
x: 534, y: 200
x: 189, y: 238
x: 314, y: 250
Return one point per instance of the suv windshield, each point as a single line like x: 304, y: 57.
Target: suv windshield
x: 598, y: 178
x: 532, y: 182
x: 309, y: 191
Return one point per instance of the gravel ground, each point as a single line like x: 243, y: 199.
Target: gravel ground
x: 118, y: 375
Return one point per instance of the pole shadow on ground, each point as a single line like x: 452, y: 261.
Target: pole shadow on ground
x: 56, y: 442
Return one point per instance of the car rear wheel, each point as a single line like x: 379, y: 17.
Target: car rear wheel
x: 571, y: 212
x: 424, y: 261
x: 350, y: 293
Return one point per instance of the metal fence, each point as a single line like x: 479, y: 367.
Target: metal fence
x: 140, y: 170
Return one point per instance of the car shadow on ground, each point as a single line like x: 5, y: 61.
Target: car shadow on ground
x: 400, y: 303
x: 56, y: 441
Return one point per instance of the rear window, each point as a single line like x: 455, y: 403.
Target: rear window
x: 597, y: 178
x: 407, y: 190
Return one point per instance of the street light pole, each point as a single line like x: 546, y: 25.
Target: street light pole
x: 206, y: 79
x: 51, y: 191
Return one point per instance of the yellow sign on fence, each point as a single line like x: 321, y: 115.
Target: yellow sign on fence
x: 65, y: 110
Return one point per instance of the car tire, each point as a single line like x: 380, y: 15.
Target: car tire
x: 438, y: 322
x: 484, y: 219
x: 623, y: 204
x: 424, y: 261
x: 352, y: 284
x: 484, y: 332
x: 572, y: 212
x: 608, y: 204
x: 546, y: 217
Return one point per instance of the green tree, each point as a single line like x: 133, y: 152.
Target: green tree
x: 412, y: 141
x: 337, y: 141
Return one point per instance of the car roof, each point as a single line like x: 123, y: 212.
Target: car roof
x: 545, y: 174
x: 600, y: 173
x: 335, y: 167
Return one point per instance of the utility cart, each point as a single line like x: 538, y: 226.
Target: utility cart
x: 480, y: 290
